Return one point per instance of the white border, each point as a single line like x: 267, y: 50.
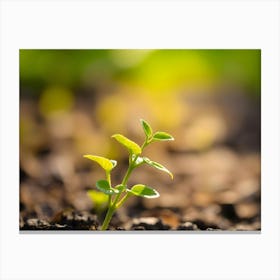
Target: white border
x: 146, y: 24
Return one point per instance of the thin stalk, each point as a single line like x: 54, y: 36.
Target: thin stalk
x: 108, y: 177
x: 110, y: 211
x: 127, y: 174
x: 146, y: 143
x: 124, y: 181
x: 108, y: 217
x: 123, y: 200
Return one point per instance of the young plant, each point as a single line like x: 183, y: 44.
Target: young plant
x: 118, y: 194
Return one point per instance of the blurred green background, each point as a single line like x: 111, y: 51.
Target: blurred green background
x: 122, y: 86
x: 152, y: 70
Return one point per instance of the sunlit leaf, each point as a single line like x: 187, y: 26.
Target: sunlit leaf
x: 129, y: 144
x: 157, y: 166
x: 98, y: 198
x: 143, y: 191
x: 105, y: 163
x: 162, y: 136
x: 147, y: 128
x: 104, y: 186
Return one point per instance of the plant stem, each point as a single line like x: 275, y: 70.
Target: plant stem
x: 146, y: 143
x: 123, y: 200
x: 108, y: 217
x: 108, y: 177
x: 127, y: 174
x: 112, y: 207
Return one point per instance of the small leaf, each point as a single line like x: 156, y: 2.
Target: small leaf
x: 104, y: 186
x: 98, y: 198
x: 147, y: 128
x: 143, y: 191
x: 157, y: 166
x: 105, y: 163
x: 129, y: 144
x: 162, y: 136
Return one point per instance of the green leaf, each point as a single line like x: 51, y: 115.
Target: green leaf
x: 104, y: 186
x: 98, y: 198
x: 143, y: 191
x: 157, y: 166
x: 147, y: 129
x: 105, y: 163
x: 162, y: 136
x: 130, y: 145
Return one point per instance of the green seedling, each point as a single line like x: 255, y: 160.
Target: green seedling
x: 118, y: 194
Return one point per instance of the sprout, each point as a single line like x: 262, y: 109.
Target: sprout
x: 118, y: 194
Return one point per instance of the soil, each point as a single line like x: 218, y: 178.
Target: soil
x: 83, y: 220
